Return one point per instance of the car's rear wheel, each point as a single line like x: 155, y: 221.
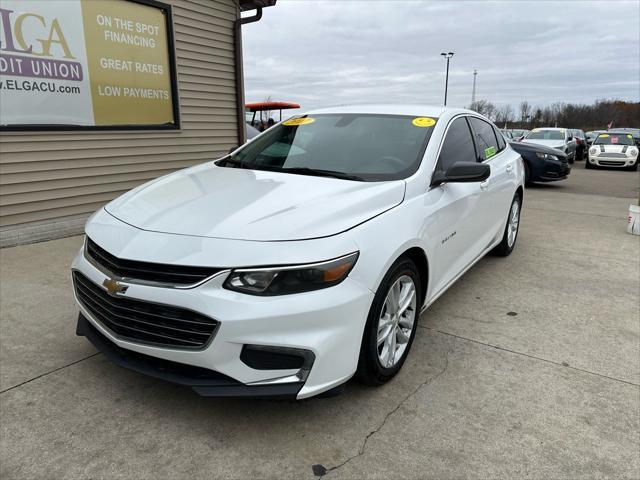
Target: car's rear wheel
x: 391, y: 324
x: 508, y: 243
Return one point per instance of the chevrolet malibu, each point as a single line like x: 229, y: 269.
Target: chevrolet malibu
x: 302, y: 258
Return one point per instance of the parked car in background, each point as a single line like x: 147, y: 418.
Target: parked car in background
x: 542, y: 163
x: 592, y: 135
x: 558, y: 138
x: 252, y: 132
x: 302, y: 258
x: 518, y: 134
x: 612, y: 149
x: 506, y: 133
x: 581, y: 143
x: 635, y: 133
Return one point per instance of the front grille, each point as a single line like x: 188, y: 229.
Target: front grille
x: 612, y: 163
x: 614, y: 155
x: 147, y: 271
x: 142, y: 321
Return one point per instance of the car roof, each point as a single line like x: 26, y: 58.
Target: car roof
x: 394, y: 109
x: 551, y: 128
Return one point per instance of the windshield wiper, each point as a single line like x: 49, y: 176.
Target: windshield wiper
x: 320, y: 173
x: 232, y: 161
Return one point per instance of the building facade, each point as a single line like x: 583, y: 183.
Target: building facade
x: 53, y: 173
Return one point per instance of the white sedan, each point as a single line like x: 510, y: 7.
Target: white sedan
x: 613, y: 150
x: 302, y: 258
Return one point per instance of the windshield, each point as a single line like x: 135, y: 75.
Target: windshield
x: 351, y: 146
x: 546, y: 135
x: 614, y: 139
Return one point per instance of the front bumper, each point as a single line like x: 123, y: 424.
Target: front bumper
x: 329, y: 323
x: 203, y: 381
x: 604, y: 161
x: 553, y: 170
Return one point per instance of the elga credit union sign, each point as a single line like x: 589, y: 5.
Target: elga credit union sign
x: 85, y: 63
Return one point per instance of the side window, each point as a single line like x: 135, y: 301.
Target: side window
x: 501, y: 141
x: 457, y: 146
x: 486, y: 140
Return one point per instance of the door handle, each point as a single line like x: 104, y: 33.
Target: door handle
x: 484, y: 185
x: 509, y: 167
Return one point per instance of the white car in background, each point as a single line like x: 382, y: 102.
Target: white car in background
x: 303, y: 257
x: 558, y: 138
x: 612, y: 149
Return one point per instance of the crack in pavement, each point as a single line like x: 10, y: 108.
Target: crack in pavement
x: 528, y: 355
x: 48, y: 373
x: 363, y: 447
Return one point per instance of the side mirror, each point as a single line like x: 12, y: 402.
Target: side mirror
x: 463, y: 172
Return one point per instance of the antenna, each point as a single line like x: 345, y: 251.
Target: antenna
x: 473, y: 92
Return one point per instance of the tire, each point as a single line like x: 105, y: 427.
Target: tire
x: 587, y: 164
x: 527, y: 174
x: 508, y: 243
x: 634, y: 167
x: 371, y: 370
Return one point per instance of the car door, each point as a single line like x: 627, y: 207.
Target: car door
x: 571, y: 144
x: 458, y: 227
x: 499, y: 188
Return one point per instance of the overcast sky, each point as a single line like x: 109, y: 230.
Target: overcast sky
x: 321, y: 53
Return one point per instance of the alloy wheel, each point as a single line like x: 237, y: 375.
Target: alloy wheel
x: 514, y: 220
x: 396, y: 321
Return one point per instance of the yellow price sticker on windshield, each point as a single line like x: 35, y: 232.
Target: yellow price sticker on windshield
x: 603, y: 135
x: 294, y: 122
x: 424, y: 122
x: 629, y: 136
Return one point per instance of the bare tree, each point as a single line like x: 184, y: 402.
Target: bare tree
x: 484, y: 107
x: 504, y: 115
x: 525, y: 111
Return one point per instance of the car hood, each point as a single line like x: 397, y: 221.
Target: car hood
x: 613, y: 148
x: 242, y: 204
x: 547, y: 143
x: 534, y: 147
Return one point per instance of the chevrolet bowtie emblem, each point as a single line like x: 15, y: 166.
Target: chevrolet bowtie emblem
x: 113, y: 286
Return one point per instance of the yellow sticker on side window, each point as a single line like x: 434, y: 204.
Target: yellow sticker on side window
x: 294, y: 122
x: 423, y: 122
x: 629, y: 136
x: 603, y: 135
x: 489, y: 152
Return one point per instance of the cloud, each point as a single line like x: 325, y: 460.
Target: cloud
x: 321, y: 53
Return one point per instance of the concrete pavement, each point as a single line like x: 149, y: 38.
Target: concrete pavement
x: 528, y: 366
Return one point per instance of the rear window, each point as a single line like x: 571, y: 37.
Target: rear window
x: 546, y: 135
x: 614, y: 139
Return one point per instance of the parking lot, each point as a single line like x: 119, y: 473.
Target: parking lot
x: 527, y: 367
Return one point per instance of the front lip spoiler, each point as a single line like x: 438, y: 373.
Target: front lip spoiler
x: 212, y: 385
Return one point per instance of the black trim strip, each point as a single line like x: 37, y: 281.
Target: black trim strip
x: 205, y: 382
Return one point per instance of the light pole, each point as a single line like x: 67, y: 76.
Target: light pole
x: 446, y: 82
x: 473, y: 92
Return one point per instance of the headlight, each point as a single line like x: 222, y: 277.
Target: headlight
x: 632, y: 152
x: 593, y: 150
x: 294, y: 279
x: 546, y: 156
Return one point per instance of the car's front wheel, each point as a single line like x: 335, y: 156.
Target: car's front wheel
x: 391, y: 324
x: 510, y: 235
